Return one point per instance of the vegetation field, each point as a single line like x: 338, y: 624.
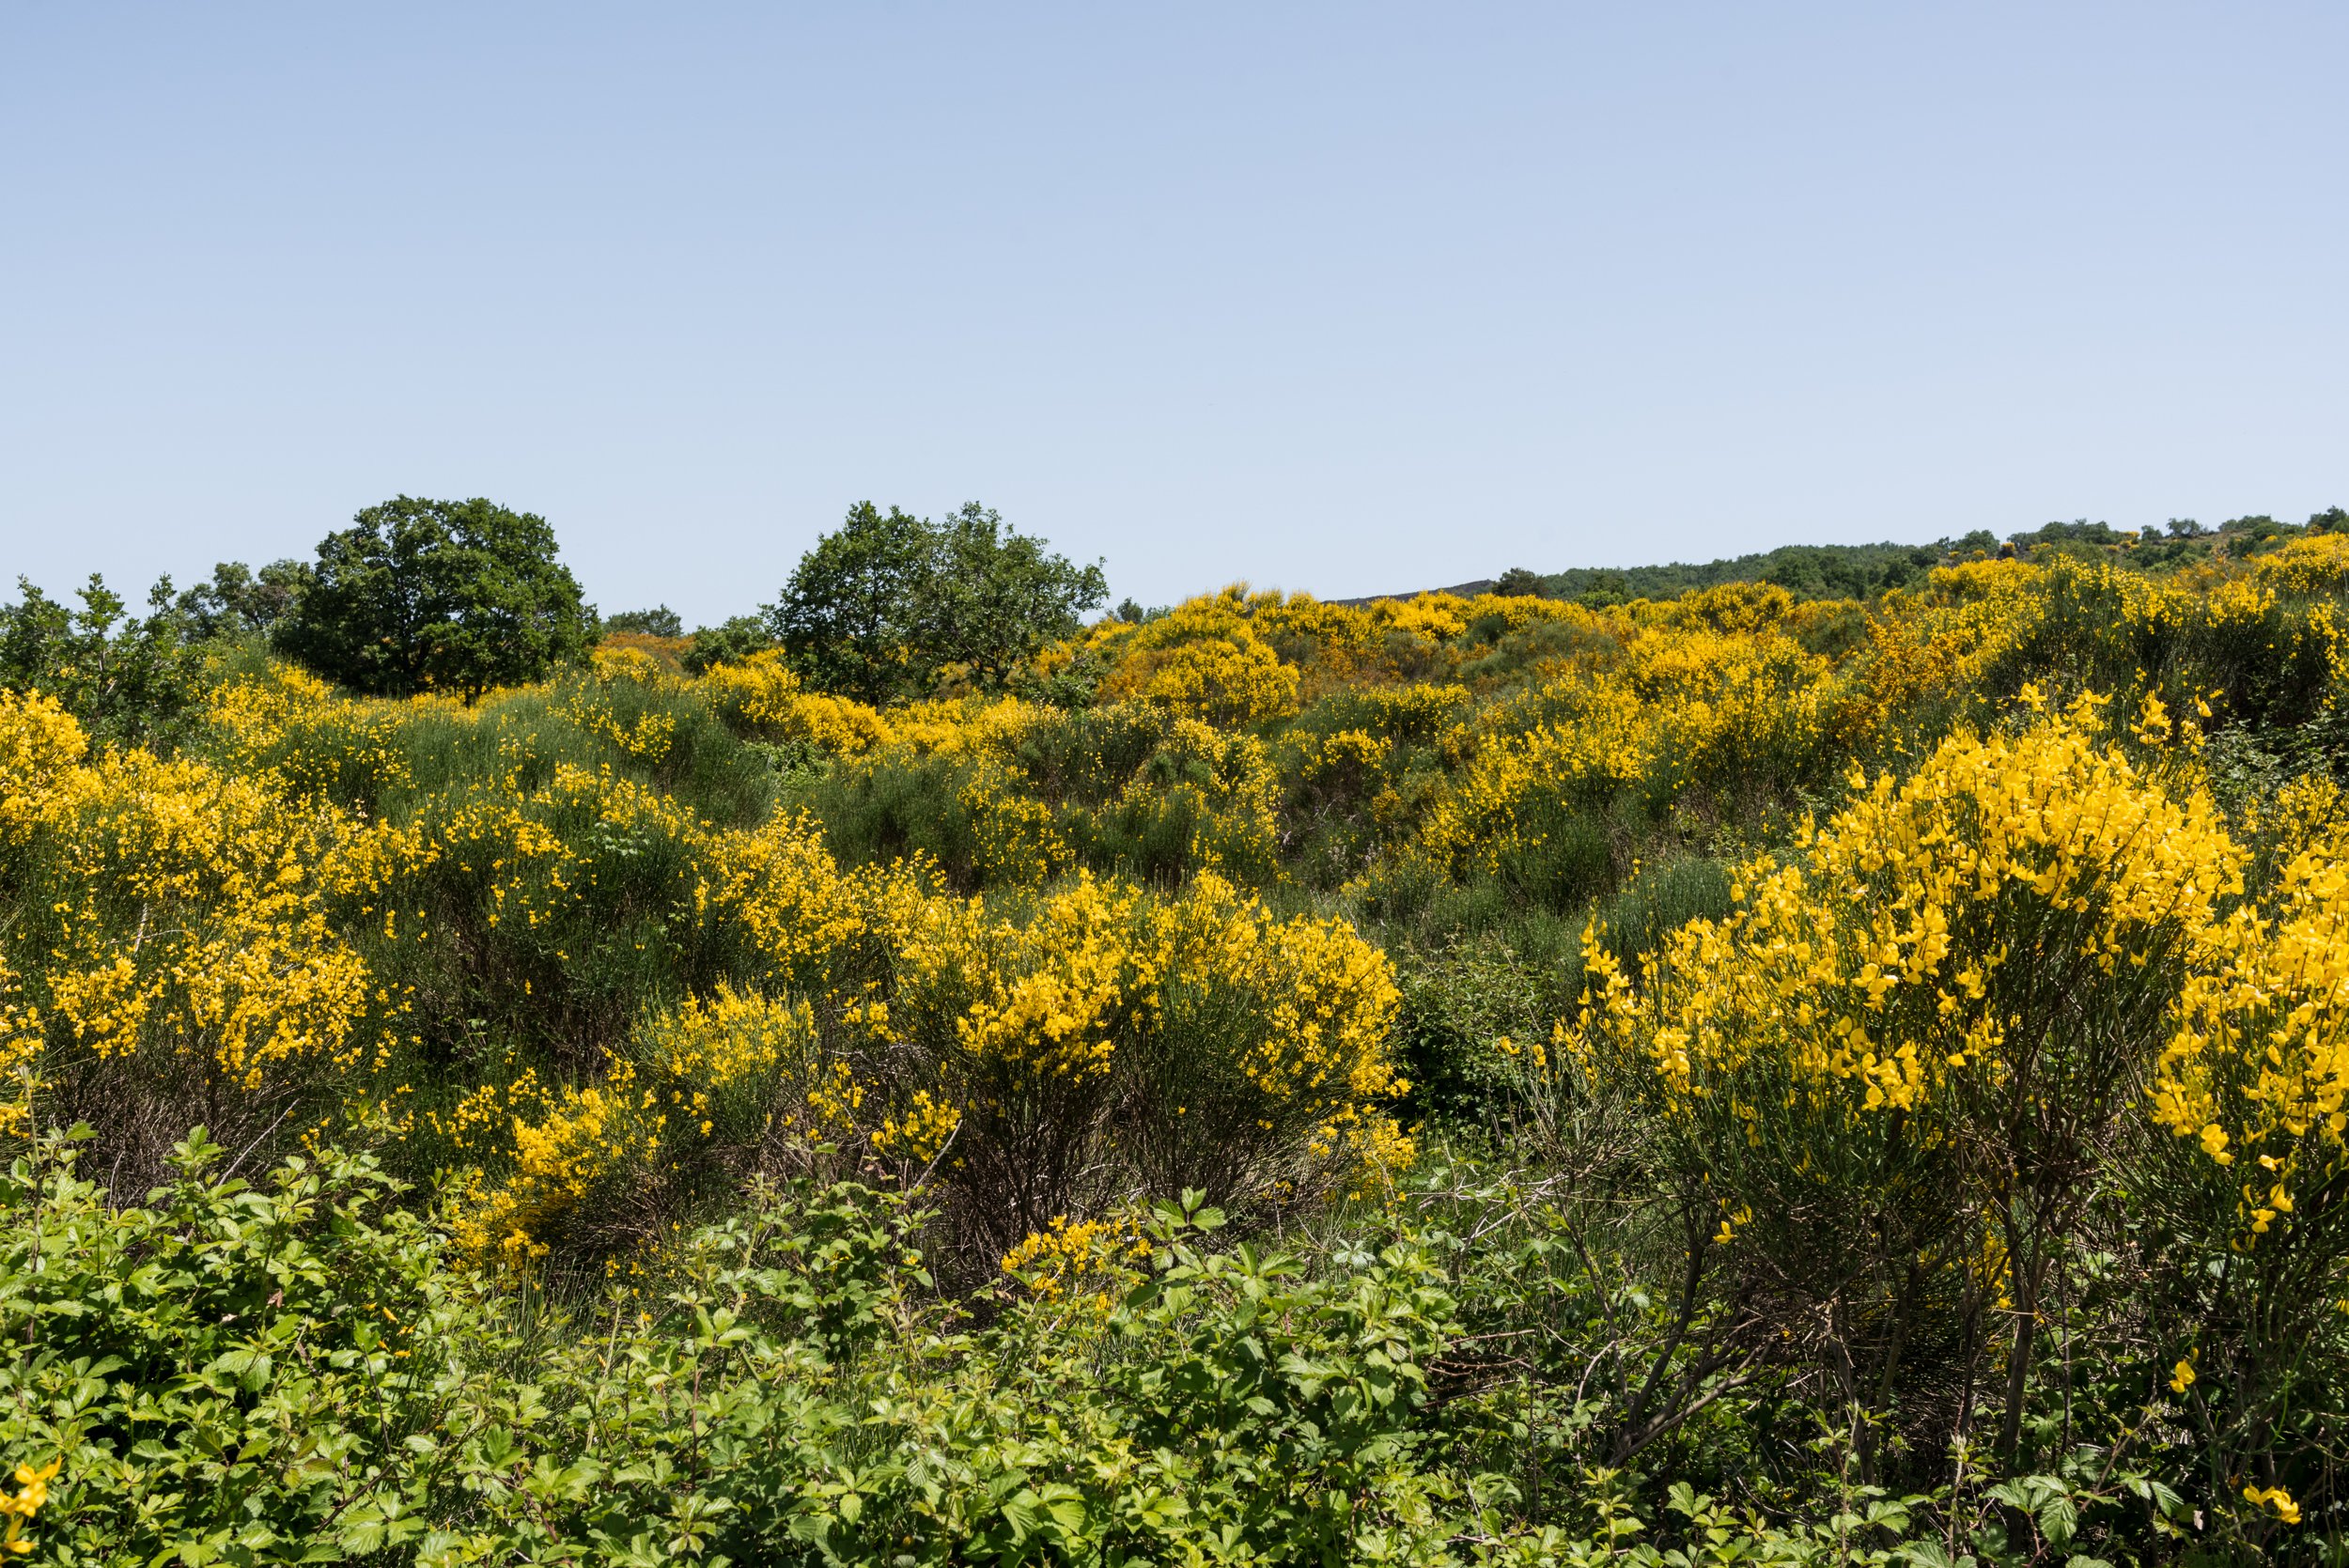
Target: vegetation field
x: 916, y: 1078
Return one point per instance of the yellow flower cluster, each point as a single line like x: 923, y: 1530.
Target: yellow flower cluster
x: 2258, y: 1070
x: 647, y: 736
x: 19, y: 1052
x: 557, y: 1160
x: 2313, y: 564
x: 1205, y: 660
x: 1086, y: 1263
x: 185, y: 911
x: 761, y: 697
x: 1239, y: 658
x: 920, y: 1133
x: 731, y: 1058
x: 1671, y: 704
x: 1047, y: 1026
x: 18, y: 1508
x: 1883, y: 971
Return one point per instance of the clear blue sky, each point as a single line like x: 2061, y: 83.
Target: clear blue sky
x: 1348, y: 298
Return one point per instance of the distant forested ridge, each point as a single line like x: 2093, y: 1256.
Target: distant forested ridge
x: 1807, y: 571
x: 1867, y: 570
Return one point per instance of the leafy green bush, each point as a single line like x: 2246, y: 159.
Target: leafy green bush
x: 126, y: 679
x: 293, y: 1374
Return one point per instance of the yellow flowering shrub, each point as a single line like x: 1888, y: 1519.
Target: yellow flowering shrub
x: 815, y: 929
x: 176, y: 917
x: 1911, y: 1037
x: 2257, y: 1074
x: 643, y: 733
x: 2315, y: 564
x: 1254, y: 656
x: 688, y: 1110
x: 1009, y: 793
x: 627, y: 658
x: 1015, y: 837
x: 575, y: 1147
x: 1736, y: 606
x: 1679, y: 706
x: 1879, y: 970
x: 1085, y: 1266
x: 1218, y: 790
x: 1056, y: 1052
x: 1205, y: 660
x: 39, y: 745
x: 761, y: 697
x: 1986, y: 630
x: 1027, y: 1057
x: 288, y: 729
x: 20, y: 1053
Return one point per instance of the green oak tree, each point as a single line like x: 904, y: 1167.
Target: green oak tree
x: 242, y: 602
x: 438, y: 596
x: 889, y: 604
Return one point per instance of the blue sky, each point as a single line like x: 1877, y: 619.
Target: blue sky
x: 1346, y: 298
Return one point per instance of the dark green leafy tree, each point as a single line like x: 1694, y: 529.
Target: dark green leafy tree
x: 995, y: 597
x: 889, y: 604
x: 1521, y: 583
x: 241, y: 602
x: 660, y: 621
x: 126, y: 679
x: 847, y: 614
x: 730, y: 643
x: 438, y: 596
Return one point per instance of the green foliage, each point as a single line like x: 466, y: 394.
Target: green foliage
x: 728, y: 642
x: 889, y: 604
x: 1867, y: 571
x: 293, y: 1374
x: 229, y: 1375
x: 455, y: 596
x: 1132, y: 792
x: 129, y: 680
x: 660, y: 621
x: 239, y: 603
x: 1807, y: 571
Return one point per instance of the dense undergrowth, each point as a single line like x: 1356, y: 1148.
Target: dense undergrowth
x: 1452, y: 1081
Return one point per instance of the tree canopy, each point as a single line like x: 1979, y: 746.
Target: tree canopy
x: 660, y: 621
x: 730, y: 641
x: 240, y: 601
x: 438, y: 596
x: 889, y: 604
x: 123, y: 677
